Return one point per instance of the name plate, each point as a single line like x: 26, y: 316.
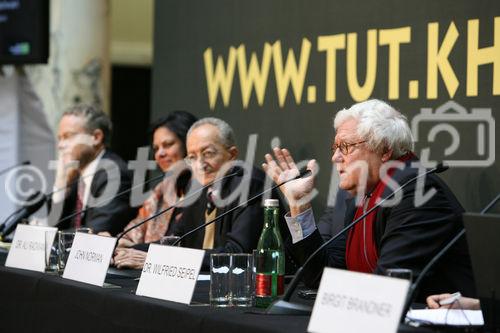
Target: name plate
x: 170, y: 273
x: 89, y: 258
x: 358, y: 302
x: 28, y: 247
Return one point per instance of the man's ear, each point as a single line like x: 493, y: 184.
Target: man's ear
x: 233, y: 151
x: 98, y: 137
x: 387, y: 155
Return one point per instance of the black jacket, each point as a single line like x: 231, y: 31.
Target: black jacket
x: 237, y: 232
x: 115, y: 214
x: 406, y: 237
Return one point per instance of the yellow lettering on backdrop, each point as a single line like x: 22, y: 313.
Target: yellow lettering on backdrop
x: 394, y: 38
x: 437, y: 59
x: 477, y: 57
x: 220, y: 79
x: 358, y: 92
x: 254, y: 75
x: 290, y: 73
x: 330, y: 45
x: 291, y: 69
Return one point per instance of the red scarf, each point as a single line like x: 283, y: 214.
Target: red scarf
x: 361, y: 253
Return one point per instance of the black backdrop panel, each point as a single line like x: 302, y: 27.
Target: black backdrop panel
x: 282, y: 69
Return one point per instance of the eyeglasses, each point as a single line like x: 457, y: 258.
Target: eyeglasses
x: 205, y: 155
x: 344, y: 147
x: 70, y: 135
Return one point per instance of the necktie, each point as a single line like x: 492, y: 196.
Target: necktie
x: 210, y: 213
x: 79, y: 203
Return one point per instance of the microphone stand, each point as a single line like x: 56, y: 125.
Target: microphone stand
x: 163, y: 211
x: 67, y: 217
x: 215, y: 219
x: 47, y: 196
x: 1, y: 173
x: 13, y: 167
x: 24, y: 212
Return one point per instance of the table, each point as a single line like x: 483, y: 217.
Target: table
x: 38, y: 302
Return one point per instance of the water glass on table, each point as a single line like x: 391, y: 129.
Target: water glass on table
x: 85, y: 230
x: 65, y: 241
x: 51, y: 251
x: 242, y: 279
x: 231, y: 279
x: 220, y: 279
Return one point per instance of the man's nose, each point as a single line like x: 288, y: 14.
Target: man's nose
x: 337, y: 156
x: 61, y: 145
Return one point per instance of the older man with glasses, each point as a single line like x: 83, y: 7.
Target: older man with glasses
x: 372, y: 152
x: 212, y: 154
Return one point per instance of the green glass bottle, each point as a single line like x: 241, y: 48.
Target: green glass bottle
x: 269, y: 258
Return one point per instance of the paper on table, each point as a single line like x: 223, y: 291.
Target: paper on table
x: 454, y: 317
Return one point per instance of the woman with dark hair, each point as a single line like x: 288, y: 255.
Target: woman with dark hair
x: 169, y: 147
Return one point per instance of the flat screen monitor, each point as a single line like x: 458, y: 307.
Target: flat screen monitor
x: 483, y: 238
x: 24, y: 31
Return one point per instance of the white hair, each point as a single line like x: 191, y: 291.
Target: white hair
x: 226, y: 133
x: 380, y: 125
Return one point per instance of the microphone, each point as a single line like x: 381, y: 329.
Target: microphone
x: 14, y: 166
x: 238, y: 172
x: 490, y: 205
x: 67, y: 217
x: 441, y: 167
x: 13, y: 220
x: 414, y: 286
x: 283, y: 305
x: 88, y: 176
x: 305, y: 173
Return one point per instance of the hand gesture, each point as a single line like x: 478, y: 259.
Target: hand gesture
x: 298, y: 192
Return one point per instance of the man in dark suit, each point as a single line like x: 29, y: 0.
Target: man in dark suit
x: 90, y: 174
x: 211, y: 149
x: 373, y: 155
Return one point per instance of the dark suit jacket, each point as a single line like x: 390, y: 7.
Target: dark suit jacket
x: 332, y: 219
x: 115, y: 214
x: 406, y: 237
x: 237, y: 232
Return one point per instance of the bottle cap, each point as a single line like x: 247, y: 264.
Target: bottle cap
x: 271, y: 203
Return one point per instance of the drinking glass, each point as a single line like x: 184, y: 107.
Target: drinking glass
x: 65, y: 241
x: 51, y: 251
x: 220, y: 288
x: 85, y: 230
x: 242, y: 279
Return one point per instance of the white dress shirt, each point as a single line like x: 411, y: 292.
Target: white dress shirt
x: 87, y: 176
x: 301, y: 226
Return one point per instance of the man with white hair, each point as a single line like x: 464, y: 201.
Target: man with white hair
x: 373, y: 155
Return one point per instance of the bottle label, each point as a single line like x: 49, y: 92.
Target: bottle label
x: 264, y: 285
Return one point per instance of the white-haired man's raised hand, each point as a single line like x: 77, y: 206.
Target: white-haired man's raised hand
x: 299, y: 192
